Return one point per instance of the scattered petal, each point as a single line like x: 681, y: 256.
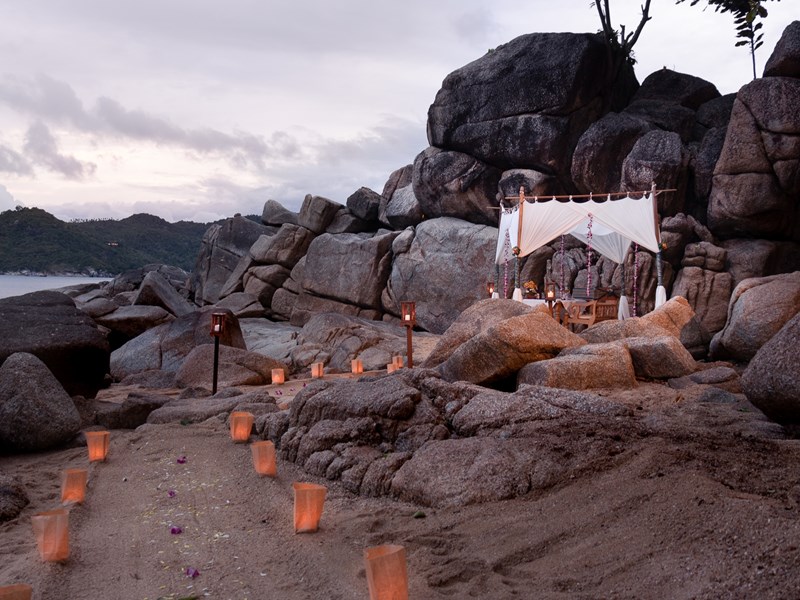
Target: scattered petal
x: 175, y: 530
x: 172, y: 493
x: 181, y: 460
x: 192, y: 572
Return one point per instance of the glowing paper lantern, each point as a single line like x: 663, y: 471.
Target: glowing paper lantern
x: 18, y: 591
x: 308, y: 501
x: 73, y: 486
x: 264, y: 458
x: 51, y: 529
x: 391, y: 367
x: 97, y: 443
x: 397, y: 361
x: 387, y: 576
x: 241, y: 426
x: 317, y: 369
x: 356, y: 366
x: 278, y: 376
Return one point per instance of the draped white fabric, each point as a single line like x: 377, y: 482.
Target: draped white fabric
x: 661, y: 296
x: 623, y: 310
x: 615, y: 224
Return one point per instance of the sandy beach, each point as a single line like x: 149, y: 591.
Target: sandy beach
x: 694, y: 515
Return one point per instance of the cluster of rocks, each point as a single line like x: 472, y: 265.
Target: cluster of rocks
x: 325, y: 284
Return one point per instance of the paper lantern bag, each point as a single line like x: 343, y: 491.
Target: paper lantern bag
x: 387, y: 576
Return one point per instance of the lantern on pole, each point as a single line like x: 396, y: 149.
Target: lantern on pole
x: 408, y: 314
x: 490, y: 288
x: 217, y: 329
x: 550, y: 295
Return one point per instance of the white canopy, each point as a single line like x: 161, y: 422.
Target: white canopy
x: 615, y: 224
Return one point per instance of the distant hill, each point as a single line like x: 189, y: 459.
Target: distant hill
x: 34, y: 240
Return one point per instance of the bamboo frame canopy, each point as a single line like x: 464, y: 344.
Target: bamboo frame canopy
x: 615, y: 223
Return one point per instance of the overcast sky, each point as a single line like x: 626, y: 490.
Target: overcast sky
x: 199, y: 109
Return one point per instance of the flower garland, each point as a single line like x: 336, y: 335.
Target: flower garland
x: 563, y: 293
x: 589, y: 257
x: 506, y: 245
x: 635, y: 274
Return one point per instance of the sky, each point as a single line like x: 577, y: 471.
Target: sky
x: 200, y: 109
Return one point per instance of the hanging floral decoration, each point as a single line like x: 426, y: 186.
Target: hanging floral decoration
x: 589, y: 258
x: 563, y: 292
x: 516, y: 250
x: 635, y: 275
x: 506, y: 245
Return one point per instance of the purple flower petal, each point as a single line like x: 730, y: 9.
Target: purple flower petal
x: 175, y: 530
x: 181, y: 460
x: 172, y: 493
x: 192, y: 572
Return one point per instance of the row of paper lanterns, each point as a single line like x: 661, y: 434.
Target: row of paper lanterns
x: 356, y: 368
x: 387, y: 576
x: 385, y: 565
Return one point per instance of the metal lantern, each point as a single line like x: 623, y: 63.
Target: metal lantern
x: 217, y: 324
x: 490, y: 288
x: 550, y: 291
x: 408, y: 313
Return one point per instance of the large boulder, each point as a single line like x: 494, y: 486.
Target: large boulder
x: 454, y: 184
x: 601, y: 151
x: 306, y: 306
x: 757, y: 310
x: 49, y: 326
x: 475, y: 320
x: 365, y: 203
x: 503, y: 349
x: 156, y: 290
x: 785, y: 59
x: 662, y: 357
x: 349, y: 268
x: 525, y: 103
x: 402, y: 210
x: 446, y: 262
x: 757, y: 178
x: 221, y: 250
x: 236, y: 366
x: 166, y: 346
x: 772, y: 379
x: 316, y: 213
x: 341, y: 338
x: 666, y: 85
x: 759, y: 258
x: 707, y: 292
x: 658, y: 157
x: 127, y: 322
x: 275, y: 213
x: 588, y: 367
x: 284, y: 248
x: 36, y: 413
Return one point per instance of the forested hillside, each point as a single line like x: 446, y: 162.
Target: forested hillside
x: 34, y: 240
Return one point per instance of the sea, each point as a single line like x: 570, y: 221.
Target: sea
x: 16, y: 285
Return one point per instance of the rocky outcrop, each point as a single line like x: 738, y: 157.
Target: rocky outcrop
x: 525, y: 103
x: 593, y: 366
x: 166, y: 346
x: 236, y: 367
x: 316, y: 213
x: 757, y: 179
x: 221, y: 250
x: 445, y: 261
x: 454, y: 184
x: 49, y: 326
x: 127, y: 322
x: 772, y: 379
x: 155, y: 290
x: 758, y: 309
x: 785, y: 59
x: 36, y: 413
x: 350, y: 268
x: 365, y: 203
x: 276, y: 214
x: 504, y: 348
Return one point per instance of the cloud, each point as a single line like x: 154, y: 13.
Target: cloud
x: 55, y: 101
x: 7, y: 201
x: 41, y: 147
x: 13, y: 162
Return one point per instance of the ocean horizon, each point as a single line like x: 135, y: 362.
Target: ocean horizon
x: 17, y: 285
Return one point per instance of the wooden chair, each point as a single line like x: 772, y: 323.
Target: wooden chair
x: 606, y: 309
x: 581, y: 313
